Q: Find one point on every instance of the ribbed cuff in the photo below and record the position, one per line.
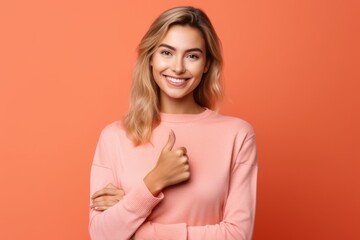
(141, 200)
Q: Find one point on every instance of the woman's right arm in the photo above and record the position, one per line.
(122, 220)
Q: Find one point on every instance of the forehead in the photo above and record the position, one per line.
(184, 37)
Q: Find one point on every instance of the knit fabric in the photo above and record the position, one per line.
(217, 202)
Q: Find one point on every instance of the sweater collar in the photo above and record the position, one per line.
(169, 117)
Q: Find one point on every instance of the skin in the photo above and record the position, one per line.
(177, 66)
(106, 197)
(182, 55)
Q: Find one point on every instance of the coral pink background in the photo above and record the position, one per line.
(291, 69)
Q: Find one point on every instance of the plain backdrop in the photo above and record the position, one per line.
(291, 69)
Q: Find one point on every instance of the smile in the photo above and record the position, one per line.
(176, 81)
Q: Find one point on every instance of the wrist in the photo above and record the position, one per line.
(154, 185)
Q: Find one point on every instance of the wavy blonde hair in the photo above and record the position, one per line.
(143, 115)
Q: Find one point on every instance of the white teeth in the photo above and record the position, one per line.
(175, 80)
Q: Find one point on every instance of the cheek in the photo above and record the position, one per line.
(158, 64)
(197, 70)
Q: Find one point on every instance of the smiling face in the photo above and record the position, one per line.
(178, 65)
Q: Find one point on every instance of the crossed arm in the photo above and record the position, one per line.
(111, 205)
(237, 223)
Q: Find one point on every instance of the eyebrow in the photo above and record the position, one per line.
(187, 50)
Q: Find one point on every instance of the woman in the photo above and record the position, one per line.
(173, 168)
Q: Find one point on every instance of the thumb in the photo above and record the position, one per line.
(171, 141)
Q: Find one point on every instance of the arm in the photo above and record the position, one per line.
(239, 211)
(124, 218)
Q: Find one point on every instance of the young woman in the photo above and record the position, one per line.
(173, 168)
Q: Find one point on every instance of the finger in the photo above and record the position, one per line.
(118, 197)
(171, 141)
(184, 159)
(120, 194)
(186, 175)
(106, 191)
(186, 167)
(102, 199)
(105, 202)
(103, 206)
(100, 209)
(102, 192)
(181, 151)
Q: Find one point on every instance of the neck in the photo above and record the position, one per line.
(185, 105)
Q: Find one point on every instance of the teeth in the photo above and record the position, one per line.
(175, 80)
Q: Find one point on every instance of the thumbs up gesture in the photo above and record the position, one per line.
(172, 167)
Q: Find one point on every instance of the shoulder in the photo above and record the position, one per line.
(233, 124)
(112, 128)
(112, 131)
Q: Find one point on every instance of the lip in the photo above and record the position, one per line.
(176, 81)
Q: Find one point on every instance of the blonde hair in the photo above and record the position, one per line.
(143, 115)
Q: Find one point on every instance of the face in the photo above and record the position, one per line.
(179, 63)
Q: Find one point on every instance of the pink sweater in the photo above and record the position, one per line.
(218, 202)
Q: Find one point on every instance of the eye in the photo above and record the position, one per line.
(193, 56)
(165, 52)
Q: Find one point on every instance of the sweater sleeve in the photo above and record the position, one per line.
(122, 220)
(239, 211)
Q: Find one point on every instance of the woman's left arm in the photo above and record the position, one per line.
(239, 211)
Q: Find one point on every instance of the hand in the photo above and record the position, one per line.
(106, 197)
(172, 168)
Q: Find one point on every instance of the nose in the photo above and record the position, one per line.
(178, 66)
